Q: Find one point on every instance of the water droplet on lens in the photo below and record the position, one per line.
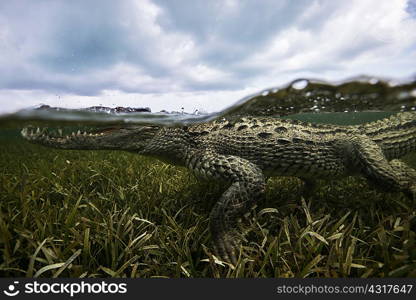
(373, 81)
(300, 84)
(265, 93)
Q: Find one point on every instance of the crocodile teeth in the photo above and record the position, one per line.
(60, 131)
(73, 134)
(78, 132)
(38, 130)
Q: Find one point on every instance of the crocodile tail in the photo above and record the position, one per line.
(396, 135)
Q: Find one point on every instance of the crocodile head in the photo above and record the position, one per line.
(130, 137)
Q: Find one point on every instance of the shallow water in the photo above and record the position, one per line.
(311, 98)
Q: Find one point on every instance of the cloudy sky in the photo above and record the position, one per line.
(199, 54)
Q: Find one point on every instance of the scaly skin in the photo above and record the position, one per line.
(246, 151)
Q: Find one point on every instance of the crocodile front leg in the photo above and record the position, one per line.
(247, 185)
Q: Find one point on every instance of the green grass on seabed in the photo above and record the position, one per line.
(107, 213)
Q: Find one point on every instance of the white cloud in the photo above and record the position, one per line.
(169, 49)
(358, 37)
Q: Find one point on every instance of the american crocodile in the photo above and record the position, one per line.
(244, 152)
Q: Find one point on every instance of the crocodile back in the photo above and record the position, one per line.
(396, 135)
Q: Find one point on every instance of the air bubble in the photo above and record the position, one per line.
(403, 95)
(265, 93)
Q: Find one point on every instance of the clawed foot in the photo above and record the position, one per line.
(226, 246)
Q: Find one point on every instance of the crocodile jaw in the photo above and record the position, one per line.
(75, 140)
(108, 138)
